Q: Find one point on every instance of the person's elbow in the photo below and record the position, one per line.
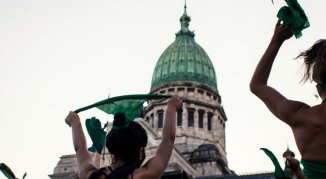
(253, 87)
(256, 88)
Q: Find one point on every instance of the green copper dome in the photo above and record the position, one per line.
(184, 60)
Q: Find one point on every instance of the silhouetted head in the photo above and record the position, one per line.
(127, 140)
(315, 62)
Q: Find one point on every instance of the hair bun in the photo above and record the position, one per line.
(120, 121)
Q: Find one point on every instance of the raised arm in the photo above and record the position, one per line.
(294, 165)
(276, 102)
(157, 165)
(84, 159)
(263, 69)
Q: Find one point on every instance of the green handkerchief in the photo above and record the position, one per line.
(294, 16)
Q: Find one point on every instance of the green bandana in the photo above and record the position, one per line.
(294, 16)
(130, 105)
(96, 133)
(8, 173)
(279, 173)
(314, 170)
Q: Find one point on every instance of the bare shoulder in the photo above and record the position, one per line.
(294, 113)
(305, 115)
(316, 114)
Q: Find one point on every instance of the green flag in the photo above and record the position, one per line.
(130, 105)
(294, 16)
(279, 172)
(24, 175)
(7, 171)
(96, 133)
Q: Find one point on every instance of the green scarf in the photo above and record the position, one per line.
(130, 105)
(314, 170)
(294, 16)
(8, 172)
(96, 133)
(279, 173)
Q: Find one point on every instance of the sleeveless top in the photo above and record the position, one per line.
(121, 172)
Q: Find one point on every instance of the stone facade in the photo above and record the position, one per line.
(202, 122)
(66, 168)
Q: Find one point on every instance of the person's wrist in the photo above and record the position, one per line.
(74, 121)
(277, 41)
(77, 120)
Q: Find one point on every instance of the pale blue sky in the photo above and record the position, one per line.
(57, 56)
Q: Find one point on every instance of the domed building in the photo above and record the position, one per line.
(185, 69)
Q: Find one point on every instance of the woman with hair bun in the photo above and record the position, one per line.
(126, 143)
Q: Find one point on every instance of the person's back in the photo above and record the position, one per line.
(309, 126)
(309, 130)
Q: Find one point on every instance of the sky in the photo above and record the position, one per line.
(57, 56)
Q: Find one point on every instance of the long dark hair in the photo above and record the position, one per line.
(315, 62)
(125, 140)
